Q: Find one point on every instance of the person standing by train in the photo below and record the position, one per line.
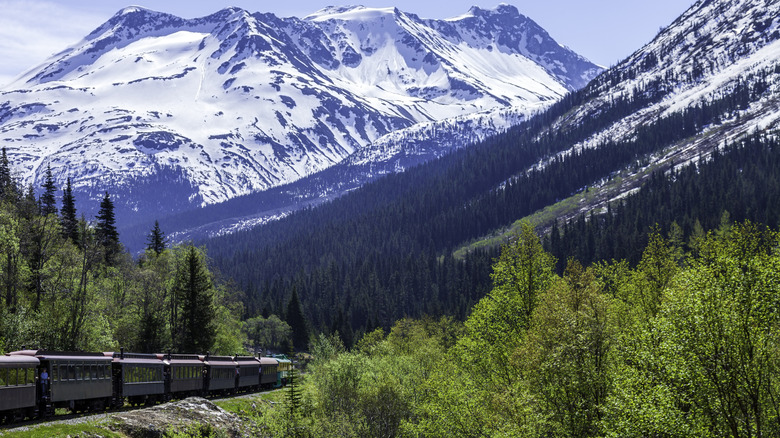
(44, 382)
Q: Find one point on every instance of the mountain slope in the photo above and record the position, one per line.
(389, 242)
(235, 102)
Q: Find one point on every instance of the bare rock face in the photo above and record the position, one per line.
(195, 416)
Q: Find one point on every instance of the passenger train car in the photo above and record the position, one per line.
(33, 383)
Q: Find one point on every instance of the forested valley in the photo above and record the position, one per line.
(385, 251)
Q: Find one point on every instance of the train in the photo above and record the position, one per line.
(34, 383)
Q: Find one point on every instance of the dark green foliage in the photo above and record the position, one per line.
(297, 322)
(156, 240)
(8, 189)
(69, 220)
(48, 203)
(193, 326)
(743, 179)
(105, 230)
(344, 329)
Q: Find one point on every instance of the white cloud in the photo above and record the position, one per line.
(32, 31)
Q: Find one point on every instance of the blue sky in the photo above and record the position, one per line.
(604, 31)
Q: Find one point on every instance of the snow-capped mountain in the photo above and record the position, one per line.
(719, 54)
(168, 113)
(714, 48)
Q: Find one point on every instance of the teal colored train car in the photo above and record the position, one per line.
(283, 369)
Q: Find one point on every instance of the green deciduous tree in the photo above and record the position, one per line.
(565, 357)
(707, 363)
(267, 333)
(12, 263)
(479, 389)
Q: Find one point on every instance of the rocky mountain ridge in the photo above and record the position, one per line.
(234, 103)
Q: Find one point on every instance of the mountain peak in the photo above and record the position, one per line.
(501, 9)
(351, 13)
(135, 16)
(132, 9)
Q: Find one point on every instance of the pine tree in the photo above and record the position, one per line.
(156, 240)
(69, 221)
(293, 400)
(28, 205)
(193, 310)
(106, 233)
(48, 203)
(297, 322)
(6, 183)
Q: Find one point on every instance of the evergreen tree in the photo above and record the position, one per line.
(193, 329)
(106, 233)
(6, 183)
(294, 395)
(297, 322)
(156, 240)
(69, 221)
(48, 203)
(28, 205)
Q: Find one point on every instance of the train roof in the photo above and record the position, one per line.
(219, 360)
(181, 359)
(61, 355)
(18, 360)
(134, 358)
(268, 361)
(246, 360)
